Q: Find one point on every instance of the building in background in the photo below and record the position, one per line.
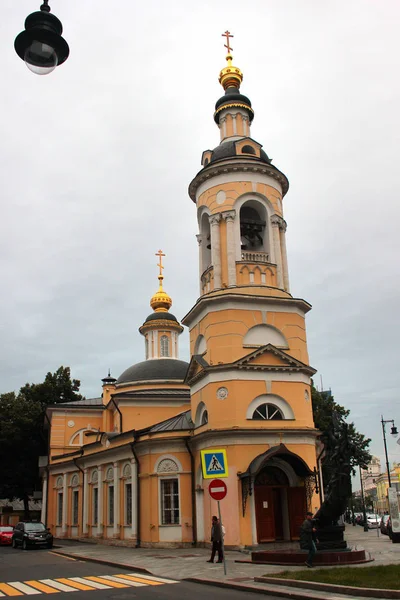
(126, 466)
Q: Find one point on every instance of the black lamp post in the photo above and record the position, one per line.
(363, 502)
(393, 431)
(41, 45)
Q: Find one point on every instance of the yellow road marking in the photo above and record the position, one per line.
(10, 591)
(42, 587)
(62, 555)
(108, 582)
(139, 579)
(79, 586)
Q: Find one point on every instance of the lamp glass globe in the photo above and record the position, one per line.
(40, 58)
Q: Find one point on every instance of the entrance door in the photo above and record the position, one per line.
(297, 510)
(264, 503)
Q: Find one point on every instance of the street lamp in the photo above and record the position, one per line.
(363, 502)
(393, 431)
(41, 45)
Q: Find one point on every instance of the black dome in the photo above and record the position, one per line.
(233, 95)
(165, 316)
(157, 368)
(228, 149)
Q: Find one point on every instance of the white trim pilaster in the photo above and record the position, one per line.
(85, 502)
(100, 518)
(229, 217)
(216, 249)
(116, 499)
(276, 222)
(134, 505)
(65, 506)
(43, 514)
(285, 268)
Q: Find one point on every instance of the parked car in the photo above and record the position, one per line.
(6, 534)
(385, 520)
(372, 521)
(28, 533)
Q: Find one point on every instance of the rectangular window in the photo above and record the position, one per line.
(60, 508)
(75, 507)
(110, 505)
(128, 504)
(95, 506)
(169, 502)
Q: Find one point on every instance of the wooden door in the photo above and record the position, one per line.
(297, 510)
(264, 502)
(278, 515)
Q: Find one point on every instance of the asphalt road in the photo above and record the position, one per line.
(40, 572)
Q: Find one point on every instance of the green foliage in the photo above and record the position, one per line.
(382, 577)
(22, 435)
(324, 407)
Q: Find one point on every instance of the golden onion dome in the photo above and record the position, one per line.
(161, 301)
(230, 76)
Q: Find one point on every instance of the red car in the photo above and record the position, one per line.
(6, 534)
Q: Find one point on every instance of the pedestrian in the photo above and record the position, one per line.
(216, 539)
(307, 538)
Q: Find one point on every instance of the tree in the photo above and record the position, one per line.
(324, 407)
(22, 436)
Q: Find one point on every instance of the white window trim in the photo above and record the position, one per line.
(279, 402)
(171, 457)
(167, 476)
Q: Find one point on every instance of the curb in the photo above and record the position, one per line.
(108, 563)
(244, 587)
(331, 587)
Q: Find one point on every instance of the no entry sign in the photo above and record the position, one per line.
(217, 489)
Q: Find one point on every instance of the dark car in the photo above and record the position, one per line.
(384, 525)
(28, 533)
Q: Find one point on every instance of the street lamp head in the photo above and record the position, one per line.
(41, 46)
(393, 430)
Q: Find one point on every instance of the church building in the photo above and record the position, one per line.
(125, 467)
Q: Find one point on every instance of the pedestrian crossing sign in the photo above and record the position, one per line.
(214, 463)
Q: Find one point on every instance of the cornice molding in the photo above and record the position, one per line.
(237, 165)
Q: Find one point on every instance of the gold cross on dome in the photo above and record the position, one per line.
(228, 35)
(160, 255)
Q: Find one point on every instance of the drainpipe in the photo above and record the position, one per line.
(192, 477)
(120, 414)
(83, 484)
(132, 445)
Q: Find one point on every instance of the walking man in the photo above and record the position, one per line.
(307, 538)
(216, 539)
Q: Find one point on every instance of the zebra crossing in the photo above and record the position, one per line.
(74, 584)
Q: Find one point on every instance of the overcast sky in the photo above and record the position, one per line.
(96, 159)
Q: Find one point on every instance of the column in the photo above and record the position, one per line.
(43, 514)
(134, 505)
(222, 127)
(216, 249)
(275, 222)
(100, 502)
(282, 232)
(234, 124)
(229, 217)
(85, 502)
(116, 500)
(201, 269)
(65, 506)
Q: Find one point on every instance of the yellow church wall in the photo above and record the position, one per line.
(61, 434)
(233, 191)
(139, 417)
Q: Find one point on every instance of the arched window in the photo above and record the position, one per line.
(146, 344)
(267, 412)
(248, 150)
(164, 345)
(79, 438)
(252, 227)
(204, 417)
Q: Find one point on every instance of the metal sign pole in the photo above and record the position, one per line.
(222, 536)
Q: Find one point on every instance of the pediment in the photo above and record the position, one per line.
(269, 357)
(197, 367)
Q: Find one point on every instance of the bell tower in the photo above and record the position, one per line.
(250, 369)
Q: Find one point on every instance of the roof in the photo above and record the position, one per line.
(233, 96)
(161, 316)
(228, 150)
(181, 422)
(19, 504)
(84, 403)
(155, 393)
(154, 369)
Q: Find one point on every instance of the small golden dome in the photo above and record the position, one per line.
(230, 76)
(161, 302)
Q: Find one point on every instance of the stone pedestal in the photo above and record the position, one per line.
(331, 537)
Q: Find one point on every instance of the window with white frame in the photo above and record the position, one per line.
(75, 507)
(164, 345)
(60, 498)
(95, 505)
(128, 504)
(111, 505)
(169, 490)
(268, 412)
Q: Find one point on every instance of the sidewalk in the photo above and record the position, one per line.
(191, 563)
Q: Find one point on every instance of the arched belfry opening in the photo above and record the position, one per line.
(253, 227)
(205, 235)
